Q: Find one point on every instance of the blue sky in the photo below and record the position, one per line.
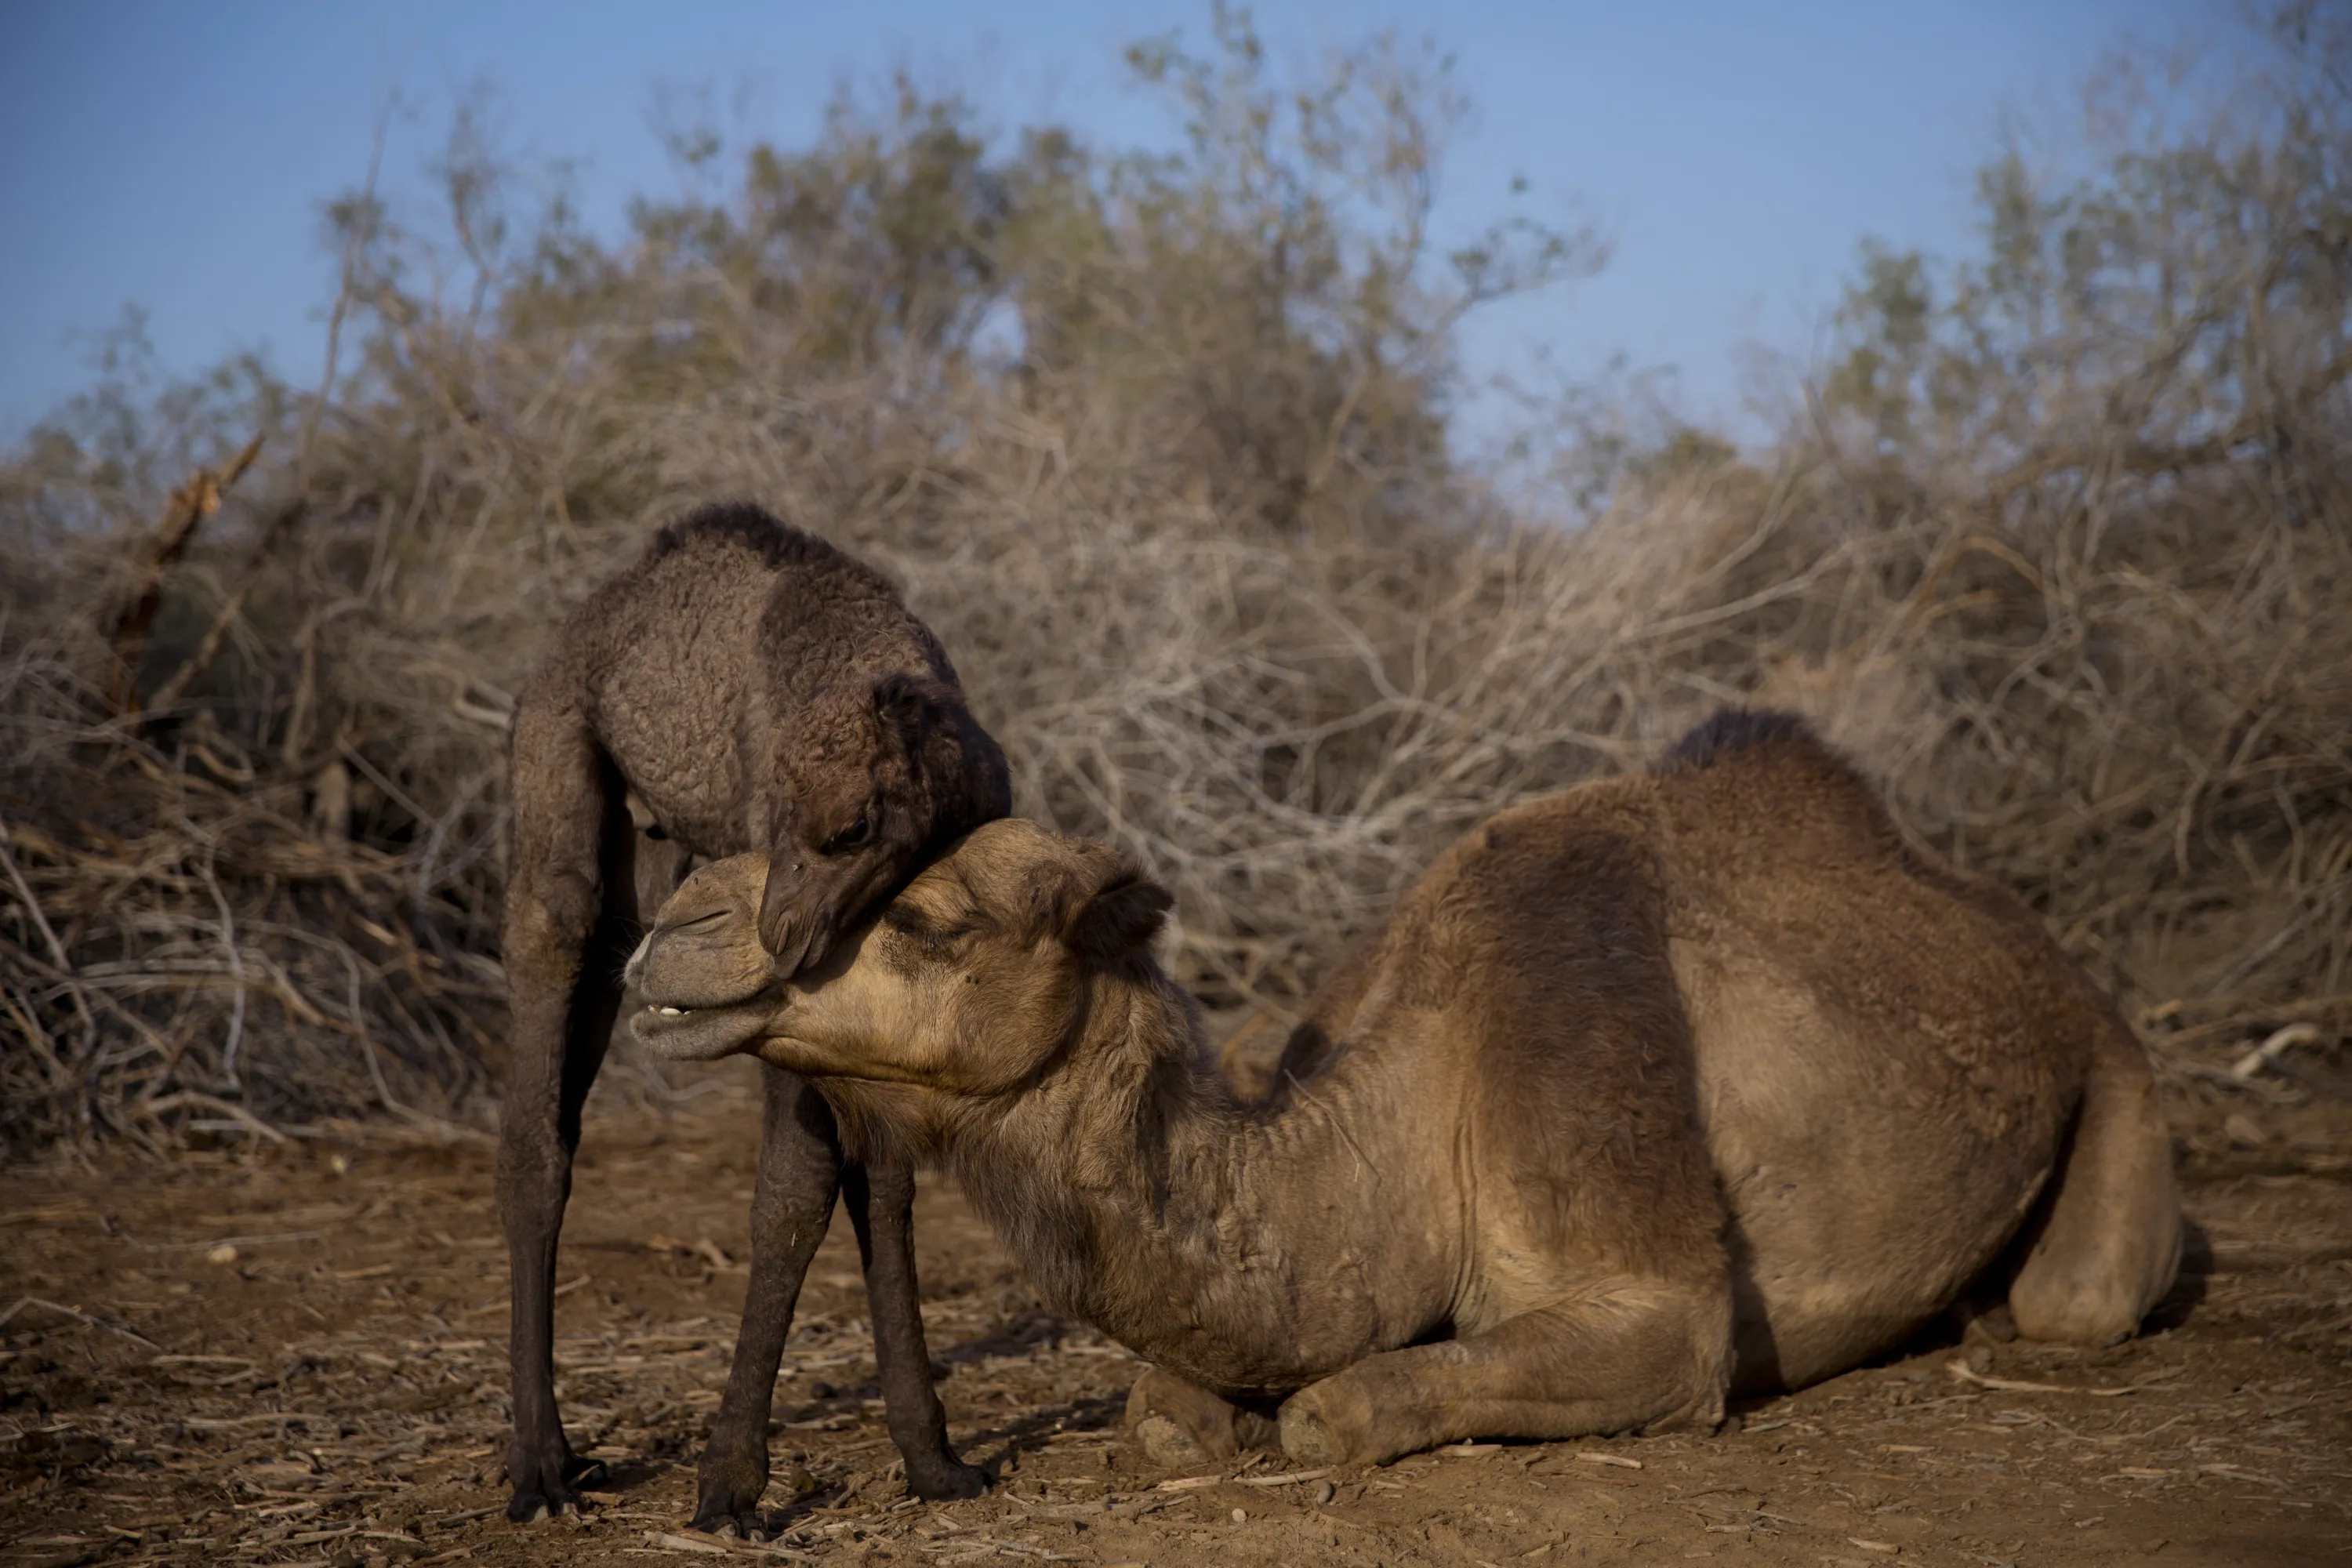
(174, 156)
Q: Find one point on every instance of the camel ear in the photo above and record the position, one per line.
(1120, 920)
(909, 705)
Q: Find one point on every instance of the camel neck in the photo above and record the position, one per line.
(1147, 1200)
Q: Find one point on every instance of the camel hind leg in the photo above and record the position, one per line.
(570, 918)
(2106, 1243)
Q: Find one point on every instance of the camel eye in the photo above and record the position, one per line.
(923, 938)
(851, 837)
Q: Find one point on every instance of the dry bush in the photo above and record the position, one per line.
(2061, 554)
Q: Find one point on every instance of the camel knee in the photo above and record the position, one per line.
(889, 1195)
(534, 1171)
(2109, 1247)
(549, 921)
(2097, 1294)
(2093, 1313)
(1337, 1422)
(1178, 1426)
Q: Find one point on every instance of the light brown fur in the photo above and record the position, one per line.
(1651, 1090)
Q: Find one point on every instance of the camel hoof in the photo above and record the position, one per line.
(945, 1480)
(727, 1510)
(545, 1489)
(1169, 1447)
(727, 1526)
(1309, 1439)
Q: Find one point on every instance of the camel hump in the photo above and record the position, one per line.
(1744, 769)
(780, 546)
(813, 611)
(1736, 731)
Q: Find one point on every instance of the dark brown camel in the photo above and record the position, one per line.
(744, 686)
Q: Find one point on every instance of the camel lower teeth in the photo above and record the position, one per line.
(671, 1012)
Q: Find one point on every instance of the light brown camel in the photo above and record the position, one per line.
(1652, 1090)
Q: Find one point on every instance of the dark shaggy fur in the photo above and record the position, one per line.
(1734, 731)
(744, 686)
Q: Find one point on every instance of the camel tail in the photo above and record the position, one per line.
(2107, 1243)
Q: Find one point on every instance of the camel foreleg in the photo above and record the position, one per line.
(1639, 1356)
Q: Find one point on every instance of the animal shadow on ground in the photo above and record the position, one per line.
(1025, 1335)
(2190, 1287)
(1032, 1432)
(1022, 1335)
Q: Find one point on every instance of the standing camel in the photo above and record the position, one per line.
(744, 685)
(1652, 1090)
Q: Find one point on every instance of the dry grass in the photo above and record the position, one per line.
(2090, 620)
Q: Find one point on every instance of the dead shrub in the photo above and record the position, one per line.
(1158, 445)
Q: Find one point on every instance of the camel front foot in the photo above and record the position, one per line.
(1178, 1426)
(940, 1476)
(1646, 1358)
(732, 1478)
(1332, 1423)
(547, 1481)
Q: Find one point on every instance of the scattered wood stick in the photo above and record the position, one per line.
(79, 1316)
(1961, 1371)
(2270, 1049)
(237, 1113)
(2233, 1473)
(1595, 1457)
(1292, 1480)
(259, 1418)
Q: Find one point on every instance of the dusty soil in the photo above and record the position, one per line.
(294, 1354)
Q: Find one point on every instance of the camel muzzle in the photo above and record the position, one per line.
(694, 1035)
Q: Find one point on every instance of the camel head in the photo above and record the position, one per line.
(966, 983)
(872, 776)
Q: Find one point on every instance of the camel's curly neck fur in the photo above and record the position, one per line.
(1193, 1228)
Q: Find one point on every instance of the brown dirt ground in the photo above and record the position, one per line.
(335, 1392)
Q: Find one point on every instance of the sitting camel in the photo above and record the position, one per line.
(1653, 1091)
